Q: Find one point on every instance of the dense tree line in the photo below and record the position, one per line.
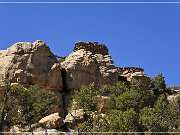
(129, 108)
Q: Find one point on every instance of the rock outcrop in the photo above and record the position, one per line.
(29, 64)
(133, 74)
(34, 64)
(175, 94)
(17, 129)
(89, 62)
(51, 121)
(74, 118)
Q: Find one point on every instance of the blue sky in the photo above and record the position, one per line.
(142, 35)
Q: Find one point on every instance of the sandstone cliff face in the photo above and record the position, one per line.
(33, 63)
(89, 62)
(29, 64)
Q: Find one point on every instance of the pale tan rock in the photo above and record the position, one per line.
(140, 77)
(41, 131)
(30, 64)
(74, 117)
(134, 74)
(88, 63)
(173, 97)
(15, 129)
(51, 121)
(101, 105)
(75, 114)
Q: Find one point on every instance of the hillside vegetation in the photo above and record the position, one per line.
(123, 107)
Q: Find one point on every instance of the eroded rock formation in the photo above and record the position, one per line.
(133, 74)
(89, 62)
(29, 64)
(33, 63)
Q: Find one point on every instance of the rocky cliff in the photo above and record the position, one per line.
(34, 64)
(89, 62)
(29, 64)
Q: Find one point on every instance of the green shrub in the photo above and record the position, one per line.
(27, 106)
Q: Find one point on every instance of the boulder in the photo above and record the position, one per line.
(89, 62)
(35, 129)
(173, 97)
(51, 121)
(30, 64)
(15, 129)
(42, 131)
(74, 117)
